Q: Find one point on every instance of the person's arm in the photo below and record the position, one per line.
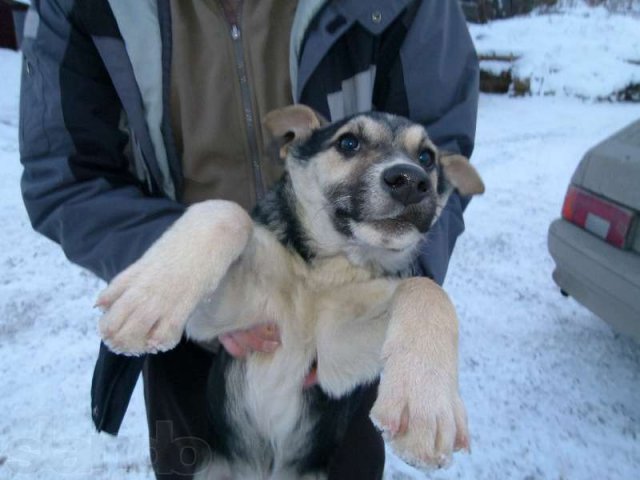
(78, 186)
(77, 183)
(440, 78)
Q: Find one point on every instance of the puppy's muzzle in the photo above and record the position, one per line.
(405, 183)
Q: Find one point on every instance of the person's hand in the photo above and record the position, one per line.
(263, 338)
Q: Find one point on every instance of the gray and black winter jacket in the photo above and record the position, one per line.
(100, 166)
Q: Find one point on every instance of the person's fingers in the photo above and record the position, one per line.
(250, 341)
(312, 377)
(263, 338)
(267, 332)
(231, 346)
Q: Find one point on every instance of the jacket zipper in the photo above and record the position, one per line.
(247, 109)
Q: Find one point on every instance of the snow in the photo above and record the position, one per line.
(580, 52)
(550, 390)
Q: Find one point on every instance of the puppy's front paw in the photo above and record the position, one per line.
(422, 417)
(147, 306)
(142, 313)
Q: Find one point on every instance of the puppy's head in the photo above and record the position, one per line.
(370, 185)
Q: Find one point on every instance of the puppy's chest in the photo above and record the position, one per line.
(270, 281)
(272, 417)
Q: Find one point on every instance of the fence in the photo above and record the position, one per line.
(481, 11)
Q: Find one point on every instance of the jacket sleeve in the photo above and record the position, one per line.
(441, 76)
(78, 186)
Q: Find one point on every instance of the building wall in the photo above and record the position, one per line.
(7, 31)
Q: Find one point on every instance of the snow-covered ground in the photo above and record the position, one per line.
(551, 391)
(578, 52)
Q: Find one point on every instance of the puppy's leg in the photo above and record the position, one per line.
(418, 404)
(148, 304)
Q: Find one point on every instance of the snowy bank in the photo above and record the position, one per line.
(584, 52)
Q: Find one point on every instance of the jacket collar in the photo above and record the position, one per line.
(332, 22)
(140, 29)
(375, 16)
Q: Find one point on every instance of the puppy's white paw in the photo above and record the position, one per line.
(421, 415)
(142, 314)
(147, 306)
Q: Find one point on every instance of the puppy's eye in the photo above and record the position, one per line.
(426, 159)
(348, 143)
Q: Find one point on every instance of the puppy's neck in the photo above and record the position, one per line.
(278, 212)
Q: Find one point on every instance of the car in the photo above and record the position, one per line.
(596, 243)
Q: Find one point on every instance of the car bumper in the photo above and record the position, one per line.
(603, 278)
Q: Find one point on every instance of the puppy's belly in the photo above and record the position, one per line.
(261, 420)
(273, 392)
(267, 426)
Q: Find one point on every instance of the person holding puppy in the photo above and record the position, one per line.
(132, 110)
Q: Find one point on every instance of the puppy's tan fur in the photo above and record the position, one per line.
(216, 271)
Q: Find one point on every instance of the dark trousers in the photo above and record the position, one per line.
(174, 391)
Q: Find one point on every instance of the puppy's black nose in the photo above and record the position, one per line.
(408, 184)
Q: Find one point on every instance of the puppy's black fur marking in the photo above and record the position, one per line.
(277, 211)
(343, 199)
(224, 442)
(329, 430)
(318, 141)
(341, 221)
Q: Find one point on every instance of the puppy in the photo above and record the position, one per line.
(328, 256)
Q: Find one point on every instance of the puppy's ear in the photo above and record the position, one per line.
(292, 124)
(461, 174)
